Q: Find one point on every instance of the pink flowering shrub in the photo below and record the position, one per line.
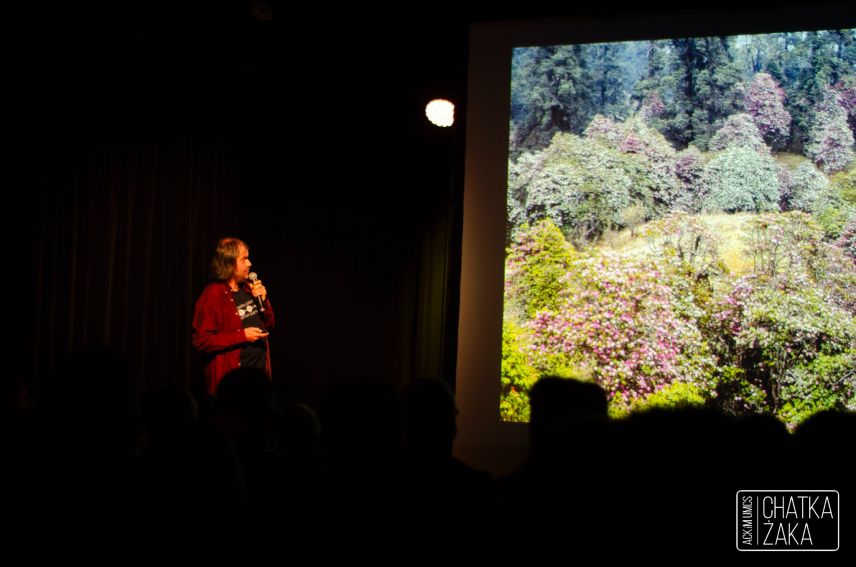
(773, 325)
(847, 100)
(830, 142)
(688, 166)
(652, 106)
(763, 331)
(605, 130)
(687, 244)
(765, 104)
(807, 189)
(650, 164)
(838, 264)
(632, 145)
(576, 183)
(619, 320)
(784, 245)
(847, 241)
(785, 328)
(738, 130)
(727, 314)
(786, 185)
(642, 139)
(741, 179)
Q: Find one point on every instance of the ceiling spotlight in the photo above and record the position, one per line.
(440, 112)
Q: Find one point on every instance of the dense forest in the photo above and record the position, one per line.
(681, 224)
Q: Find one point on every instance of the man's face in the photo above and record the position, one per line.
(242, 265)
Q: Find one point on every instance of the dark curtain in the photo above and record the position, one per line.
(360, 262)
(137, 143)
(119, 237)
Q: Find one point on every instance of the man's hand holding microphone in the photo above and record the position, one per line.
(260, 293)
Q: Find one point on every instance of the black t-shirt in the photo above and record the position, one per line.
(252, 354)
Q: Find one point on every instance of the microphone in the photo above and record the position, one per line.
(254, 277)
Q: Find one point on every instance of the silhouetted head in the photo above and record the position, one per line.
(92, 397)
(297, 430)
(360, 418)
(168, 410)
(429, 416)
(827, 432)
(558, 401)
(243, 398)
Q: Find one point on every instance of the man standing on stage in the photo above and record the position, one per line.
(233, 316)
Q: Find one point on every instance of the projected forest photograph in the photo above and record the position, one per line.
(681, 223)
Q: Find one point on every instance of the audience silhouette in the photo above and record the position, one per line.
(370, 478)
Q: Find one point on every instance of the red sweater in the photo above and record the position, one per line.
(219, 333)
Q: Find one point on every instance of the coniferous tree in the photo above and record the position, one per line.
(708, 89)
(758, 53)
(553, 93)
(660, 61)
(811, 77)
(609, 74)
(790, 68)
(842, 46)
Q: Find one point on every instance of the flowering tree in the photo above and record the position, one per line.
(784, 245)
(581, 186)
(771, 337)
(639, 138)
(689, 169)
(686, 244)
(765, 104)
(535, 264)
(847, 241)
(828, 382)
(739, 130)
(650, 164)
(830, 142)
(741, 179)
(847, 100)
(808, 188)
(786, 183)
(618, 319)
(517, 375)
(773, 326)
(840, 268)
(838, 276)
(844, 184)
(787, 328)
(652, 106)
(605, 130)
(726, 315)
(521, 173)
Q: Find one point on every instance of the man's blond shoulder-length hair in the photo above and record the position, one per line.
(225, 258)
